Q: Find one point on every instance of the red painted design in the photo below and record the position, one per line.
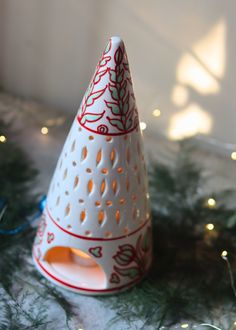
(119, 116)
(134, 261)
(114, 278)
(125, 255)
(50, 237)
(96, 238)
(77, 288)
(96, 251)
(40, 232)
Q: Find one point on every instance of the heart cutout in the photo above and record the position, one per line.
(50, 237)
(96, 251)
(114, 278)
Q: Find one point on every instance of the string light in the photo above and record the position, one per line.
(210, 226)
(235, 323)
(224, 254)
(184, 325)
(211, 202)
(156, 113)
(233, 155)
(44, 130)
(143, 125)
(3, 139)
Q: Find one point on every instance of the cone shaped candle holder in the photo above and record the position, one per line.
(95, 233)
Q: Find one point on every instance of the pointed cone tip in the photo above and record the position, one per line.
(116, 40)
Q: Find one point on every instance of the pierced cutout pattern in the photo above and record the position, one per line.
(122, 200)
(108, 234)
(76, 181)
(81, 200)
(65, 174)
(134, 213)
(112, 157)
(134, 197)
(104, 170)
(84, 153)
(72, 146)
(66, 192)
(101, 217)
(67, 210)
(103, 187)
(118, 216)
(82, 216)
(99, 157)
(58, 201)
(108, 138)
(126, 231)
(127, 183)
(114, 186)
(74, 163)
(90, 186)
(109, 203)
(139, 178)
(97, 203)
(88, 233)
(88, 170)
(120, 170)
(91, 138)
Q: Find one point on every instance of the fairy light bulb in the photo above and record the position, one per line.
(3, 139)
(233, 155)
(184, 325)
(156, 113)
(143, 125)
(211, 202)
(210, 226)
(44, 130)
(224, 254)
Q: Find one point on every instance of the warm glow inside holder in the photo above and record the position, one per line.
(95, 233)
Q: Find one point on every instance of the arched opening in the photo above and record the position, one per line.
(75, 267)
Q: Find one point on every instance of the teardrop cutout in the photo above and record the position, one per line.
(72, 146)
(76, 181)
(99, 157)
(101, 217)
(90, 186)
(112, 156)
(82, 215)
(67, 210)
(103, 187)
(114, 186)
(117, 216)
(84, 153)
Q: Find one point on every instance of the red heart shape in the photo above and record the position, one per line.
(114, 278)
(96, 251)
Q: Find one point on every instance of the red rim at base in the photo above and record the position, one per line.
(86, 291)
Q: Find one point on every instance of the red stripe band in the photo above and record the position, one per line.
(96, 238)
(83, 289)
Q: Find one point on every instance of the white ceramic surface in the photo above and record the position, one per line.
(98, 201)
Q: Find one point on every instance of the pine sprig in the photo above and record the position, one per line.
(17, 178)
(188, 278)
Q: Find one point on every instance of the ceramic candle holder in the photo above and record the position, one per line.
(95, 233)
